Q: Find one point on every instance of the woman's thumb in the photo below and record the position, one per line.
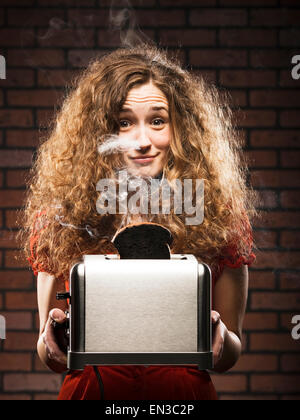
(57, 315)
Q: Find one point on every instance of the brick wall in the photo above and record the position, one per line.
(244, 46)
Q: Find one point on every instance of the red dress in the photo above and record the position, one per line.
(141, 382)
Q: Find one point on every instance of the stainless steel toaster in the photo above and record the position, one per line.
(140, 312)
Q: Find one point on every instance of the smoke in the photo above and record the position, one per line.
(113, 144)
(122, 19)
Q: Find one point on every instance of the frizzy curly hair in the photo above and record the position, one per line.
(205, 145)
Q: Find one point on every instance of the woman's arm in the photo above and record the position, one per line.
(230, 299)
(50, 310)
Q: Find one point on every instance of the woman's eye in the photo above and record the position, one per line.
(124, 124)
(158, 121)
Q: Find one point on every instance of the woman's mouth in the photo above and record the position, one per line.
(144, 159)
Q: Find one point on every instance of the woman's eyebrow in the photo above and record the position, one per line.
(159, 108)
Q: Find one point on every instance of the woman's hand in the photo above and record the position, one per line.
(219, 334)
(54, 340)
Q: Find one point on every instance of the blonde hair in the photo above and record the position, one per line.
(204, 145)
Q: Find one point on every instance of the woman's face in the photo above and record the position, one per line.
(145, 118)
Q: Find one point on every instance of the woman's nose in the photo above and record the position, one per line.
(143, 137)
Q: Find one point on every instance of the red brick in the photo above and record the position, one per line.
(275, 383)
(289, 3)
(18, 300)
(258, 158)
(267, 199)
(290, 240)
(274, 17)
(88, 17)
(15, 397)
(265, 239)
(230, 383)
(185, 3)
(21, 321)
(32, 382)
(44, 117)
(109, 39)
(275, 138)
(36, 58)
(286, 79)
(17, 3)
(17, 38)
(55, 78)
(19, 341)
(44, 397)
(16, 179)
(15, 362)
(260, 321)
(278, 219)
(22, 138)
(16, 118)
(11, 198)
(66, 37)
(290, 159)
(290, 118)
(20, 78)
(82, 58)
(275, 301)
(275, 179)
(248, 38)
(277, 259)
(15, 158)
(15, 280)
(38, 365)
(247, 78)
(70, 3)
(11, 219)
(290, 199)
(257, 3)
(267, 59)
(286, 321)
(33, 16)
(261, 280)
(248, 397)
(289, 37)
(289, 281)
(15, 259)
(8, 239)
(34, 98)
(256, 363)
(218, 58)
(159, 17)
(290, 363)
(275, 98)
(187, 37)
(218, 17)
(248, 118)
(273, 342)
(238, 98)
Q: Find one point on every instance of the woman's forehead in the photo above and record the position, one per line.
(148, 93)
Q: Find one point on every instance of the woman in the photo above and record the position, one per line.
(183, 131)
